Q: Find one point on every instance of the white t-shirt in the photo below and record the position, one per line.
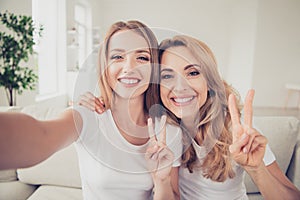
(194, 186)
(111, 167)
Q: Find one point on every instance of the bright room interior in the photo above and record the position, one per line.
(256, 44)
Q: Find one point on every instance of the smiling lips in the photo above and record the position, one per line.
(182, 101)
(129, 82)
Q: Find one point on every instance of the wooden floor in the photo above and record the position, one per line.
(263, 111)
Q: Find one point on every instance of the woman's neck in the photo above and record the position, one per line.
(133, 109)
(131, 119)
(190, 124)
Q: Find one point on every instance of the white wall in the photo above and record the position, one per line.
(256, 42)
(28, 97)
(277, 51)
(207, 20)
(18, 7)
(243, 24)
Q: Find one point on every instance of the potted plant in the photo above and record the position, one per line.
(16, 45)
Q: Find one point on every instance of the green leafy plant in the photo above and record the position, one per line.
(16, 45)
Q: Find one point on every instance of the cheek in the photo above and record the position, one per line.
(145, 71)
(203, 98)
(113, 70)
(148, 76)
(203, 92)
(164, 94)
(111, 76)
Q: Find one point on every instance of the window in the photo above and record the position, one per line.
(51, 48)
(82, 18)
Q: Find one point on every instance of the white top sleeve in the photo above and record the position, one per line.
(269, 157)
(89, 119)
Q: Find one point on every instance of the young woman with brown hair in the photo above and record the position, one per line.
(118, 157)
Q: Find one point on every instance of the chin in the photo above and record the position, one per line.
(188, 113)
(178, 113)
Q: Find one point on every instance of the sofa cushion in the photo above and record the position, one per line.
(8, 175)
(255, 196)
(55, 193)
(42, 112)
(60, 169)
(282, 133)
(294, 169)
(15, 190)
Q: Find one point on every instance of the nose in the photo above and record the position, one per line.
(129, 63)
(180, 84)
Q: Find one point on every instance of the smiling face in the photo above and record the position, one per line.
(183, 87)
(129, 66)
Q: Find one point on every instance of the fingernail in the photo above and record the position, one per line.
(154, 157)
(245, 150)
(243, 136)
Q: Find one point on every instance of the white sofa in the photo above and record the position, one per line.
(57, 178)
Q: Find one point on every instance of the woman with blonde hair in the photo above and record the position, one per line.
(218, 148)
(118, 157)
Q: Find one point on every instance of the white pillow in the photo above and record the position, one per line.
(282, 133)
(42, 112)
(15, 190)
(53, 193)
(8, 175)
(60, 169)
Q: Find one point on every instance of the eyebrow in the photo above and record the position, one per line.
(167, 70)
(191, 65)
(185, 68)
(118, 50)
(136, 51)
(142, 51)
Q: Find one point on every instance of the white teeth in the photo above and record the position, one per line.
(182, 100)
(129, 81)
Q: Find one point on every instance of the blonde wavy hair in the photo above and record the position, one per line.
(214, 121)
(142, 30)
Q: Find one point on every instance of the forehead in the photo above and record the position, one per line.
(177, 57)
(127, 40)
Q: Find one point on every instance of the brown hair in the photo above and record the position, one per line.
(142, 30)
(213, 124)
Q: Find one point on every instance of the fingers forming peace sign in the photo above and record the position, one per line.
(248, 145)
(158, 156)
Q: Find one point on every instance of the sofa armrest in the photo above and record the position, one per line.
(293, 172)
(282, 134)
